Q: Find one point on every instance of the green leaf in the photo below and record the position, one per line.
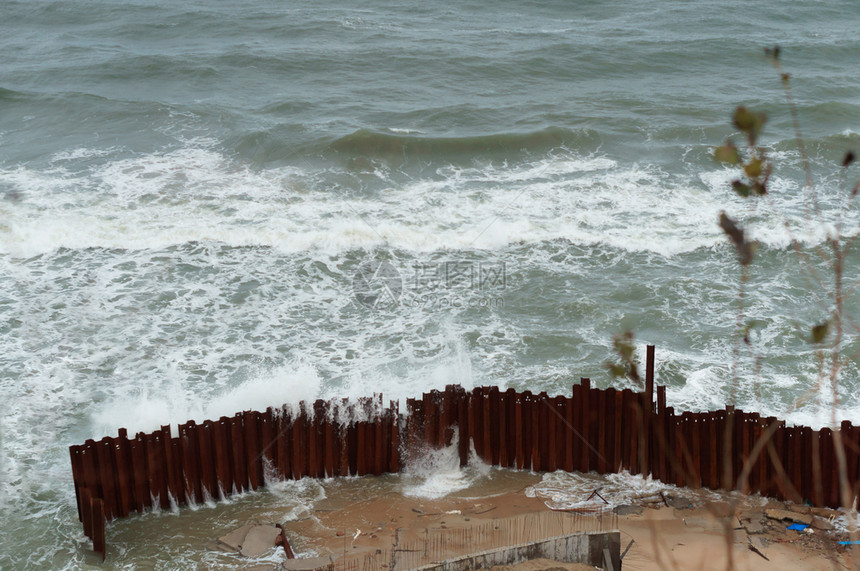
(616, 370)
(759, 188)
(750, 123)
(753, 168)
(819, 332)
(742, 189)
(728, 153)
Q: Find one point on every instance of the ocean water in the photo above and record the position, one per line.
(211, 206)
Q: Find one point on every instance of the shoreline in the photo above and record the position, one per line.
(680, 529)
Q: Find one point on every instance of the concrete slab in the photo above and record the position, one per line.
(259, 540)
(236, 538)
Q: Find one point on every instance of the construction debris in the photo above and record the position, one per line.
(255, 539)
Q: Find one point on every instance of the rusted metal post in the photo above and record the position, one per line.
(267, 438)
(253, 451)
(142, 493)
(395, 463)
(496, 423)
(240, 463)
(98, 526)
(107, 473)
(584, 424)
(486, 427)
(570, 437)
(208, 463)
(330, 443)
(614, 401)
(190, 444)
(125, 473)
(463, 427)
(223, 456)
(519, 431)
(603, 415)
(87, 512)
(283, 441)
(75, 453)
(299, 461)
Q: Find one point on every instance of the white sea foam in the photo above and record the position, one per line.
(572, 490)
(437, 473)
(198, 195)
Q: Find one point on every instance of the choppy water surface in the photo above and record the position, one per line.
(193, 194)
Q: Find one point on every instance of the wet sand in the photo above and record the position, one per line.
(684, 529)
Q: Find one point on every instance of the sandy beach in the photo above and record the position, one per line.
(673, 529)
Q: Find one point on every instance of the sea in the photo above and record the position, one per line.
(212, 206)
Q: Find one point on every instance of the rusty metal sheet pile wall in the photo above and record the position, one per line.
(604, 430)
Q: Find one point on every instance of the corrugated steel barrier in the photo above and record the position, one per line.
(602, 430)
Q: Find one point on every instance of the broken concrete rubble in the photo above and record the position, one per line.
(255, 539)
(789, 515)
